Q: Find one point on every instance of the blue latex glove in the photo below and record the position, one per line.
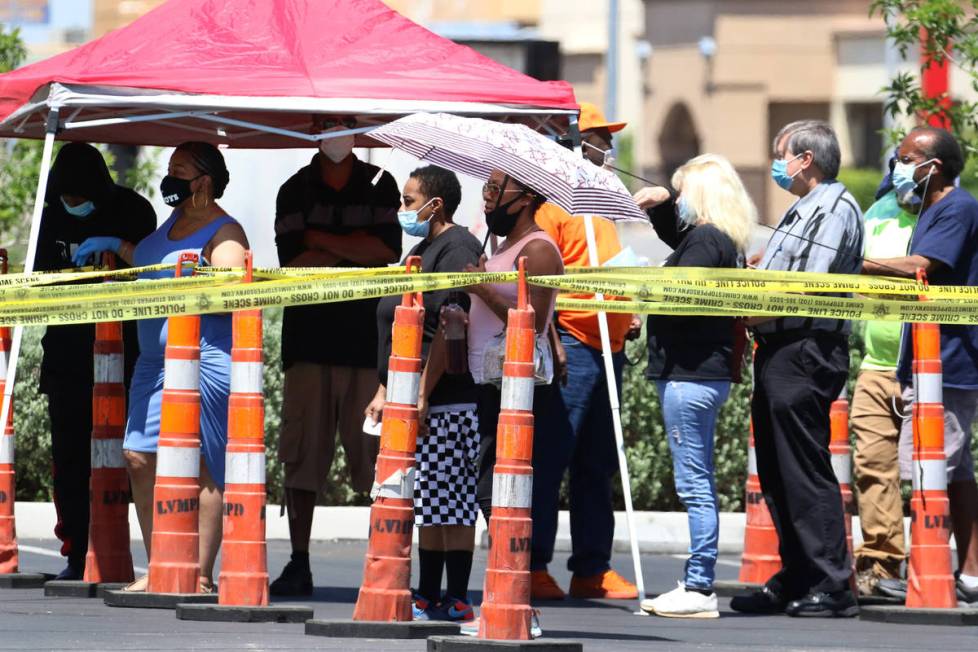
(95, 245)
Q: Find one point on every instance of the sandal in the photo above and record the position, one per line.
(206, 586)
(139, 586)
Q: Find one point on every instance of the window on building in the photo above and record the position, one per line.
(865, 122)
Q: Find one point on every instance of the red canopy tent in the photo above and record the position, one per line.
(251, 73)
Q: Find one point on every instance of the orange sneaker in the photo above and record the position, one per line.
(544, 587)
(608, 584)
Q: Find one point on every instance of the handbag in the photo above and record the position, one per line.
(495, 356)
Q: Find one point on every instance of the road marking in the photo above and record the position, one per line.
(54, 553)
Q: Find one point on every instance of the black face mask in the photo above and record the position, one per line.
(499, 221)
(175, 191)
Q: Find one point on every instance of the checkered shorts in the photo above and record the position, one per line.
(444, 486)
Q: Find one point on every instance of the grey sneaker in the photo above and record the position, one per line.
(966, 595)
(893, 588)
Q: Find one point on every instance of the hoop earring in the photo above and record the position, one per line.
(193, 199)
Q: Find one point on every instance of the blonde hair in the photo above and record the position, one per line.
(714, 191)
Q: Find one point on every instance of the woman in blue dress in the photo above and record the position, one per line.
(196, 177)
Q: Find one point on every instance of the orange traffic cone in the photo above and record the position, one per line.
(383, 608)
(109, 558)
(174, 565)
(10, 577)
(842, 466)
(109, 561)
(929, 579)
(243, 582)
(8, 531)
(506, 612)
(760, 559)
(385, 594)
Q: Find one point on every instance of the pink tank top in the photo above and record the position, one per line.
(483, 322)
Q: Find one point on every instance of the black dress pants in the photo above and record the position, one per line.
(71, 442)
(796, 378)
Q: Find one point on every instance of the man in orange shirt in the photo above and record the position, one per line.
(577, 434)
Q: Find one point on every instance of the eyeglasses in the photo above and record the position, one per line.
(349, 122)
(491, 189)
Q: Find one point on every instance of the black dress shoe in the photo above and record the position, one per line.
(765, 601)
(71, 572)
(841, 604)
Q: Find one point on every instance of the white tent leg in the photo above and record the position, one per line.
(609, 371)
(42, 187)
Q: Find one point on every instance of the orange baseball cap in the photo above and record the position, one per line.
(592, 118)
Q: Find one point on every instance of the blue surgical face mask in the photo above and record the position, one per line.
(81, 210)
(411, 225)
(685, 212)
(903, 179)
(779, 172)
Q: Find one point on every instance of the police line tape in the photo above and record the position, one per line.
(89, 274)
(647, 292)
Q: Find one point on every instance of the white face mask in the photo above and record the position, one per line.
(338, 148)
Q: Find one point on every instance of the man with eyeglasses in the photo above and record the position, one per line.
(338, 211)
(800, 366)
(577, 434)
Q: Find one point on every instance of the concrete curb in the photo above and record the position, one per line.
(658, 532)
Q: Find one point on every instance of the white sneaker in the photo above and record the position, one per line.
(680, 603)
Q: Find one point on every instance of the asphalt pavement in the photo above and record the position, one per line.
(30, 621)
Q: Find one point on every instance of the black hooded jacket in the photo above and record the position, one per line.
(80, 170)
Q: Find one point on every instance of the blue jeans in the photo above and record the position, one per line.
(575, 433)
(689, 409)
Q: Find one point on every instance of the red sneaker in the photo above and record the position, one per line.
(608, 584)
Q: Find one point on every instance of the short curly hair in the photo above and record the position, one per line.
(435, 181)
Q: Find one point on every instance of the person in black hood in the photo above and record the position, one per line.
(82, 202)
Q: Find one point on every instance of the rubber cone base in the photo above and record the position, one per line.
(139, 600)
(79, 589)
(235, 614)
(906, 616)
(470, 644)
(24, 580)
(413, 629)
(728, 589)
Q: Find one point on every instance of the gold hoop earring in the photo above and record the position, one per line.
(193, 199)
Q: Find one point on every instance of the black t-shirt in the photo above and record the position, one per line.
(692, 348)
(68, 363)
(345, 333)
(451, 251)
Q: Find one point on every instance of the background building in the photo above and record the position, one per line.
(725, 75)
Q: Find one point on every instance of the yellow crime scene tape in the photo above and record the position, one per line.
(666, 291)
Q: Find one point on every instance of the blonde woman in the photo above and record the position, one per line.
(691, 361)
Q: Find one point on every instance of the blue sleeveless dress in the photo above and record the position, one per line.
(146, 390)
